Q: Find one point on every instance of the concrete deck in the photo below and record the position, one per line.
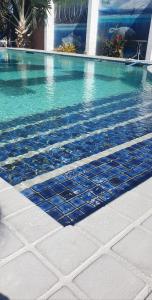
(106, 256)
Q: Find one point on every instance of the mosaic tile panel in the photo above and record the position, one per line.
(28, 168)
(73, 196)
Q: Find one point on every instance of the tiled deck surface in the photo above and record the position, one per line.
(106, 256)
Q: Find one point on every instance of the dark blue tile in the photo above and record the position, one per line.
(76, 216)
(55, 213)
(87, 209)
(47, 193)
(68, 194)
(56, 200)
(66, 208)
(77, 201)
(58, 188)
(46, 206)
(65, 221)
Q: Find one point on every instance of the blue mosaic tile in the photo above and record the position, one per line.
(68, 207)
(35, 143)
(70, 197)
(129, 97)
(46, 206)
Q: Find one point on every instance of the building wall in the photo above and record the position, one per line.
(38, 38)
(70, 25)
(130, 19)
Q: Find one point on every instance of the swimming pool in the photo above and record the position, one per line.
(75, 133)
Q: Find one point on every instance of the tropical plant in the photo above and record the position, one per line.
(118, 43)
(114, 47)
(67, 47)
(3, 14)
(24, 15)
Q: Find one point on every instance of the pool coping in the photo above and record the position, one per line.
(94, 57)
(16, 210)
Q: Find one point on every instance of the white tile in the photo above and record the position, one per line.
(12, 201)
(4, 185)
(136, 247)
(104, 224)
(106, 279)
(132, 205)
(67, 249)
(149, 297)
(145, 188)
(9, 243)
(63, 294)
(25, 278)
(33, 223)
(148, 224)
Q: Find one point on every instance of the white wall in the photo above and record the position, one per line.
(92, 27)
(149, 46)
(92, 30)
(49, 31)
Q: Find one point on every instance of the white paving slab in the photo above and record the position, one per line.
(145, 188)
(11, 202)
(67, 249)
(106, 279)
(136, 247)
(149, 297)
(104, 225)
(76, 262)
(148, 224)
(63, 294)
(33, 223)
(25, 278)
(4, 185)
(9, 243)
(132, 204)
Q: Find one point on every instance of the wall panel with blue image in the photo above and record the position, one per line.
(128, 19)
(71, 24)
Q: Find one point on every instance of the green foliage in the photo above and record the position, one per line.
(26, 15)
(114, 47)
(70, 2)
(67, 47)
(4, 4)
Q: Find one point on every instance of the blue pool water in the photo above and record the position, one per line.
(36, 83)
(55, 111)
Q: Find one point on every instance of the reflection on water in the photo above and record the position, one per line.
(35, 83)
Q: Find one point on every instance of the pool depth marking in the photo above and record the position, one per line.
(80, 163)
